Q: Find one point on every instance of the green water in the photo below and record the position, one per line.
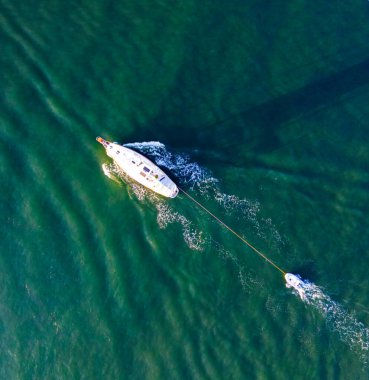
(260, 111)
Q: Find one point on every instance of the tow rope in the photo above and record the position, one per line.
(233, 232)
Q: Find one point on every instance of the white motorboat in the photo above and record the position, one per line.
(296, 282)
(140, 168)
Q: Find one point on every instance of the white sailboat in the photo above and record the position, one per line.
(140, 168)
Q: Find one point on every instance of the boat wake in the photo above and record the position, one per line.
(345, 324)
(193, 237)
(178, 164)
(166, 214)
(109, 171)
(191, 175)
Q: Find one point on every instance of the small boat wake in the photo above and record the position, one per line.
(345, 324)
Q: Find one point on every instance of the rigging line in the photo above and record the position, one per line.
(233, 232)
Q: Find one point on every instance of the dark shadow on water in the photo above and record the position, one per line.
(306, 271)
(261, 127)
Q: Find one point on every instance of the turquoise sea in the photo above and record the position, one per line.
(260, 111)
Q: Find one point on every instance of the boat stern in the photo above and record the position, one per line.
(167, 187)
(296, 282)
(293, 280)
(174, 192)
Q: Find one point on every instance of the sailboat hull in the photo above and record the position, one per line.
(140, 169)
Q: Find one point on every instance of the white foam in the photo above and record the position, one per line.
(248, 210)
(349, 329)
(199, 179)
(193, 237)
(178, 164)
(108, 170)
(185, 172)
(144, 144)
(165, 213)
(115, 173)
